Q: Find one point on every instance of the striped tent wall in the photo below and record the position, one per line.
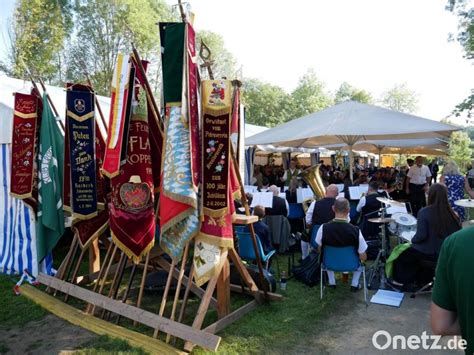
(17, 226)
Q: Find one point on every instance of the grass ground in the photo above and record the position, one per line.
(276, 327)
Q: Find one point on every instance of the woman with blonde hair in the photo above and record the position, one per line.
(455, 183)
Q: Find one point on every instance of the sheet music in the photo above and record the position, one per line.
(283, 195)
(356, 192)
(264, 199)
(250, 189)
(388, 298)
(341, 195)
(340, 187)
(397, 209)
(303, 193)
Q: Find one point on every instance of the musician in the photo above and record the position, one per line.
(368, 207)
(280, 206)
(261, 229)
(291, 192)
(320, 212)
(340, 233)
(435, 222)
(291, 172)
(418, 179)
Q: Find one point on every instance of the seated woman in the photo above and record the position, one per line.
(435, 222)
(291, 192)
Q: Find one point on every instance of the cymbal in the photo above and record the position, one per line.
(465, 203)
(381, 220)
(390, 202)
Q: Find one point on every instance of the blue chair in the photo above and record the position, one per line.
(247, 252)
(241, 229)
(341, 259)
(296, 211)
(314, 232)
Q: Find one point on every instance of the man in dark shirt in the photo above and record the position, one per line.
(261, 229)
(279, 205)
(321, 211)
(340, 233)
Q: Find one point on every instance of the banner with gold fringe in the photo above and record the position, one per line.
(23, 145)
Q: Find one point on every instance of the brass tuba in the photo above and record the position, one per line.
(313, 178)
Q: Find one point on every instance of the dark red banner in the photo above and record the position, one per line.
(23, 145)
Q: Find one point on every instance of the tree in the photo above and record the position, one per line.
(400, 98)
(465, 36)
(103, 28)
(224, 61)
(349, 92)
(37, 33)
(265, 104)
(459, 149)
(310, 95)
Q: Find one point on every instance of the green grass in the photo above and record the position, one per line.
(106, 345)
(4, 348)
(16, 311)
(275, 327)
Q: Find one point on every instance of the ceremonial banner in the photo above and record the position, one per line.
(50, 226)
(179, 217)
(88, 230)
(218, 180)
(119, 108)
(23, 145)
(132, 218)
(81, 134)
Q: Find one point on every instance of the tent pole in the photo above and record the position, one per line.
(351, 162)
(380, 156)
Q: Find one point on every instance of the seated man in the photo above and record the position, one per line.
(261, 229)
(320, 212)
(340, 233)
(368, 207)
(280, 206)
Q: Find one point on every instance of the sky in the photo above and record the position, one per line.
(371, 44)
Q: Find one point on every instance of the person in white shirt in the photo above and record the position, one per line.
(292, 171)
(340, 233)
(418, 179)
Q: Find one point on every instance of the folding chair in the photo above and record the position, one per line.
(341, 259)
(247, 252)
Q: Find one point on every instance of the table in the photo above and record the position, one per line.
(466, 203)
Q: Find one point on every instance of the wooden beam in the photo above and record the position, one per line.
(195, 289)
(271, 296)
(204, 306)
(96, 325)
(94, 256)
(223, 291)
(243, 219)
(182, 331)
(231, 318)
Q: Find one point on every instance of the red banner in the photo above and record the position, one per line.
(88, 230)
(23, 145)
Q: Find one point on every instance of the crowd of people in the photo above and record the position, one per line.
(432, 200)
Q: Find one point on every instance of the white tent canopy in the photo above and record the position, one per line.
(348, 123)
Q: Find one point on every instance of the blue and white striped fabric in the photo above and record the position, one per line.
(17, 227)
(249, 157)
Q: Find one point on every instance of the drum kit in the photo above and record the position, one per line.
(401, 224)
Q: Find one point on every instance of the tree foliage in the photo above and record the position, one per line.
(310, 95)
(348, 92)
(224, 61)
(400, 98)
(265, 104)
(464, 11)
(37, 36)
(459, 149)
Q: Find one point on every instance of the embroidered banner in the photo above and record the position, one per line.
(132, 218)
(23, 145)
(219, 182)
(120, 106)
(88, 230)
(179, 217)
(80, 118)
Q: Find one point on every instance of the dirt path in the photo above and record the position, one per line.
(350, 329)
(50, 335)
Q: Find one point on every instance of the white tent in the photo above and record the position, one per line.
(348, 123)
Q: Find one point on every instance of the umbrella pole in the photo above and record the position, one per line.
(351, 163)
(380, 157)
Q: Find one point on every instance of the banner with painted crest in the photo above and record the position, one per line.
(23, 145)
(219, 181)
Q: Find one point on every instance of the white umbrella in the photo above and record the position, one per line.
(348, 123)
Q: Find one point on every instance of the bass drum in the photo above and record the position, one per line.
(405, 223)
